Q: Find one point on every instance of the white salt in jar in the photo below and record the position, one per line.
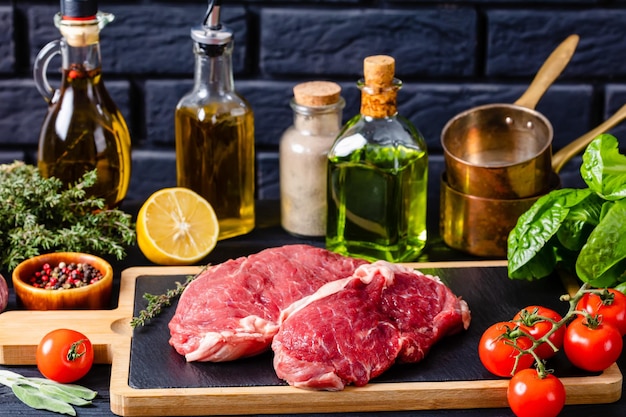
(317, 118)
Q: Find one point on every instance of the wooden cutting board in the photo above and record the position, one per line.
(149, 379)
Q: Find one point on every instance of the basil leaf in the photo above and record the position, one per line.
(604, 168)
(34, 398)
(621, 287)
(528, 252)
(602, 260)
(579, 222)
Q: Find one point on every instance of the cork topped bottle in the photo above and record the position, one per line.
(317, 111)
(377, 175)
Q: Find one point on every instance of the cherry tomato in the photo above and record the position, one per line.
(497, 353)
(592, 346)
(531, 396)
(611, 306)
(530, 320)
(64, 355)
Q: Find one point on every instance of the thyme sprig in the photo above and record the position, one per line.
(156, 302)
(39, 215)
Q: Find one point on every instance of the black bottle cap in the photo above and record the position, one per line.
(79, 8)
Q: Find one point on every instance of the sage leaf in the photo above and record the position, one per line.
(34, 398)
(45, 394)
(73, 389)
(9, 378)
(62, 395)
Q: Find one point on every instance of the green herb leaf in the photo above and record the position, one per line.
(45, 394)
(72, 389)
(40, 215)
(529, 254)
(604, 168)
(9, 378)
(584, 233)
(579, 222)
(62, 395)
(602, 260)
(621, 287)
(35, 398)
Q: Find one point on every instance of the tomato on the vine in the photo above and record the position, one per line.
(64, 355)
(529, 395)
(497, 350)
(611, 306)
(591, 344)
(530, 320)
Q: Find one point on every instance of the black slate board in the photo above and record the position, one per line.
(491, 295)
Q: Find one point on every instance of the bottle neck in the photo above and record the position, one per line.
(379, 101)
(86, 58)
(213, 69)
(320, 121)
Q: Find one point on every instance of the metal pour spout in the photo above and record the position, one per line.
(212, 16)
(212, 32)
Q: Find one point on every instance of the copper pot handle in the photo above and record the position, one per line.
(560, 158)
(549, 72)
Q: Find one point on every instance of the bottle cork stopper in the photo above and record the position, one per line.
(379, 70)
(317, 93)
(80, 35)
(378, 97)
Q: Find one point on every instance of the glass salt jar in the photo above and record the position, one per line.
(303, 156)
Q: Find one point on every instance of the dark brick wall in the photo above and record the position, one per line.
(451, 55)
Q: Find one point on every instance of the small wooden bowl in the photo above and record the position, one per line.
(94, 296)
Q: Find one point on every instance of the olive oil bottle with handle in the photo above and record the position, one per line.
(215, 131)
(377, 175)
(83, 128)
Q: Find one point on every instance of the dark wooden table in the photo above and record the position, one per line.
(268, 233)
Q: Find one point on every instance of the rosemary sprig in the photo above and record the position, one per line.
(156, 303)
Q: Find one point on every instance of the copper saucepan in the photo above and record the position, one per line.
(480, 226)
(504, 150)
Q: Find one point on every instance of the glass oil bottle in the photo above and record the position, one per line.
(215, 131)
(83, 129)
(377, 173)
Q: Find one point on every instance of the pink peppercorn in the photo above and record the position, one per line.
(65, 276)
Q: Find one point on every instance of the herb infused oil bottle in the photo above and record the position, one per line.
(377, 175)
(83, 129)
(215, 131)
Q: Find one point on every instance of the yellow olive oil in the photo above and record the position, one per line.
(215, 158)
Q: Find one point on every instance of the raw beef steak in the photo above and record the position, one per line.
(232, 309)
(352, 330)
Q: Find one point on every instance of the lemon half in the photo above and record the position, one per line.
(176, 226)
